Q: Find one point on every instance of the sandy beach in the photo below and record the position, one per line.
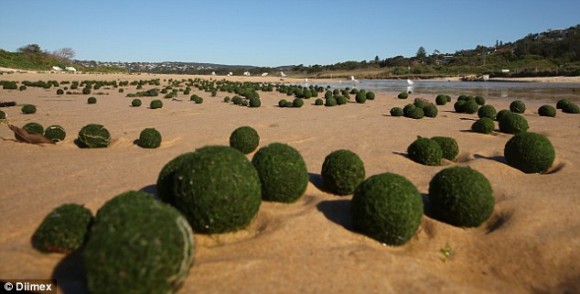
(530, 244)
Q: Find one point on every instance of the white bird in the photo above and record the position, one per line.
(247, 73)
(71, 69)
(410, 82)
(264, 74)
(56, 68)
(213, 73)
(353, 79)
(282, 74)
(230, 74)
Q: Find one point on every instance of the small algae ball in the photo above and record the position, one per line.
(571, 108)
(282, 103)
(513, 123)
(165, 188)
(94, 136)
(138, 245)
(341, 100)
(480, 100)
(441, 99)
(28, 109)
(342, 172)
(397, 111)
(361, 97)
(319, 101)
(150, 138)
(388, 208)
(92, 100)
(63, 230)
(484, 125)
(297, 102)
(34, 128)
(136, 102)
(403, 95)
(560, 104)
(217, 189)
(282, 172)
(415, 113)
(255, 102)
(430, 110)
(55, 133)
(370, 95)
(487, 111)
(547, 110)
(530, 152)
(155, 104)
(2, 114)
(330, 102)
(461, 196)
(425, 151)
(245, 139)
(449, 147)
(470, 107)
(518, 106)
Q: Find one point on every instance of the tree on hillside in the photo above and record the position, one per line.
(421, 53)
(30, 48)
(64, 53)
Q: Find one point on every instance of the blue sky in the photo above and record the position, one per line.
(272, 33)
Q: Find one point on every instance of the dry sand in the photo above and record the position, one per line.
(530, 244)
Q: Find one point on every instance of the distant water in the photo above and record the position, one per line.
(515, 90)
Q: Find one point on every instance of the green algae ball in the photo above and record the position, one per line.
(388, 208)
(150, 138)
(55, 133)
(298, 102)
(571, 108)
(136, 102)
(217, 189)
(470, 107)
(415, 113)
(63, 230)
(461, 196)
(2, 114)
(502, 113)
(94, 136)
(487, 111)
(425, 151)
(155, 104)
(430, 110)
(449, 147)
(518, 106)
(484, 125)
(397, 111)
(403, 95)
(361, 97)
(513, 123)
(547, 110)
(34, 128)
(480, 100)
(165, 180)
(245, 139)
(318, 101)
(28, 109)
(342, 172)
(530, 152)
(282, 172)
(92, 100)
(370, 95)
(441, 99)
(560, 104)
(138, 245)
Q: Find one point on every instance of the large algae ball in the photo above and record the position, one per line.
(513, 123)
(28, 109)
(547, 110)
(530, 152)
(449, 147)
(282, 171)
(138, 245)
(461, 196)
(165, 188)
(342, 172)
(425, 151)
(387, 207)
(155, 104)
(94, 136)
(55, 133)
(245, 139)
(484, 125)
(487, 111)
(63, 230)
(150, 138)
(34, 128)
(217, 189)
(571, 108)
(518, 106)
(397, 111)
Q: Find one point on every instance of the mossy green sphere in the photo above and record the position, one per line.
(150, 138)
(530, 152)
(55, 133)
(397, 111)
(403, 95)
(282, 103)
(63, 230)
(513, 123)
(430, 110)
(217, 189)
(138, 245)
(34, 128)
(255, 102)
(480, 100)
(441, 99)
(425, 151)
(484, 125)
(330, 102)
(547, 110)
(361, 97)
(388, 208)
(449, 147)
(282, 172)
(341, 100)
(136, 102)
(502, 113)
(155, 104)
(458, 106)
(318, 101)
(370, 95)
(28, 109)
(165, 188)
(415, 113)
(461, 196)
(487, 111)
(2, 114)
(470, 107)
(342, 171)
(297, 102)
(560, 104)
(245, 139)
(571, 108)
(92, 100)
(518, 106)
(94, 136)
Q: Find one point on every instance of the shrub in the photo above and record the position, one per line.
(63, 230)
(479, 100)
(217, 189)
(319, 101)
(150, 138)
(282, 103)
(513, 123)
(94, 136)
(397, 111)
(138, 244)
(530, 152)
(415, 113)
(136, 102)
(341, 100)
(484, 125)
(441, 99)
(501, 114)
(403, 95)
(370, 95)
(255, 102)
(155, 104)
(547, 110)
(330, 102)
(449, 147)
(34, 128)
(245, 139)
(461, 196)
(361, 97)
(425, 151)
(430, 110)
(518, 106)
(487, 111)
(571, 108)
(298, 102)
(282, 172)
(59, 92)
(342, 172)
(92, 100)
(560, 104)
(55, 133)
(388, 208)
(28, 109)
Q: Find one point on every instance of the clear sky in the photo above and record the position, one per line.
(272, 33)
